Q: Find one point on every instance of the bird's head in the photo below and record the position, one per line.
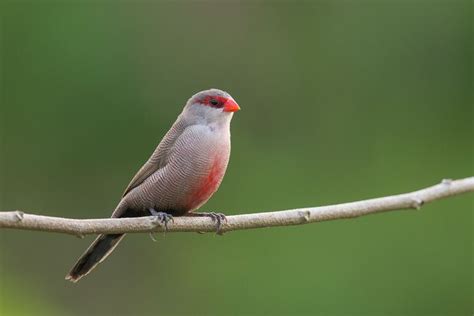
(211, 106)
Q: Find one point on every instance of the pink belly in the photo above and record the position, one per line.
(207, 185)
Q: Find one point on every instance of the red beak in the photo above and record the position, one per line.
(231, 106)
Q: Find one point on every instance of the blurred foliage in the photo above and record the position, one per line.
(342, 100)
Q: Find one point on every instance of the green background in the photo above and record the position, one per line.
(341, 100)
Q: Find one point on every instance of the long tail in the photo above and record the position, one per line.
(95, 254)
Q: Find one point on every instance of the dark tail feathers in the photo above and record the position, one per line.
(95, 254)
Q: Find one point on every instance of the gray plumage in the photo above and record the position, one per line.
(183, 172)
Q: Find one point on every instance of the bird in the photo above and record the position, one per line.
(183, 172)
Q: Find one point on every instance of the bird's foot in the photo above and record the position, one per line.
(162, 218)
(217, 218)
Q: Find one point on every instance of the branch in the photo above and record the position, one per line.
(81, 227)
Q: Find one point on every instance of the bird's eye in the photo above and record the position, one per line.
(214, 102)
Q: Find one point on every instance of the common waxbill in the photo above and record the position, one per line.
(183, 172)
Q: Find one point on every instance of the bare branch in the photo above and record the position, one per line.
(81, 227)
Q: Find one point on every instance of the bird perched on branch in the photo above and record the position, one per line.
(181, 175)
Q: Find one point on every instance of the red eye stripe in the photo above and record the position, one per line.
(217, 100)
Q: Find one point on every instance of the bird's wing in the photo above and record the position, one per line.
(145, 171)
(159, 157)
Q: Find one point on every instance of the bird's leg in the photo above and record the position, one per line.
(162, 218)
(218, 218)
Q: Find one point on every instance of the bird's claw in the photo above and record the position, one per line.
(162, 218)
(217, 218)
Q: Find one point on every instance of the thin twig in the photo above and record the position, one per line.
(82, 227)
